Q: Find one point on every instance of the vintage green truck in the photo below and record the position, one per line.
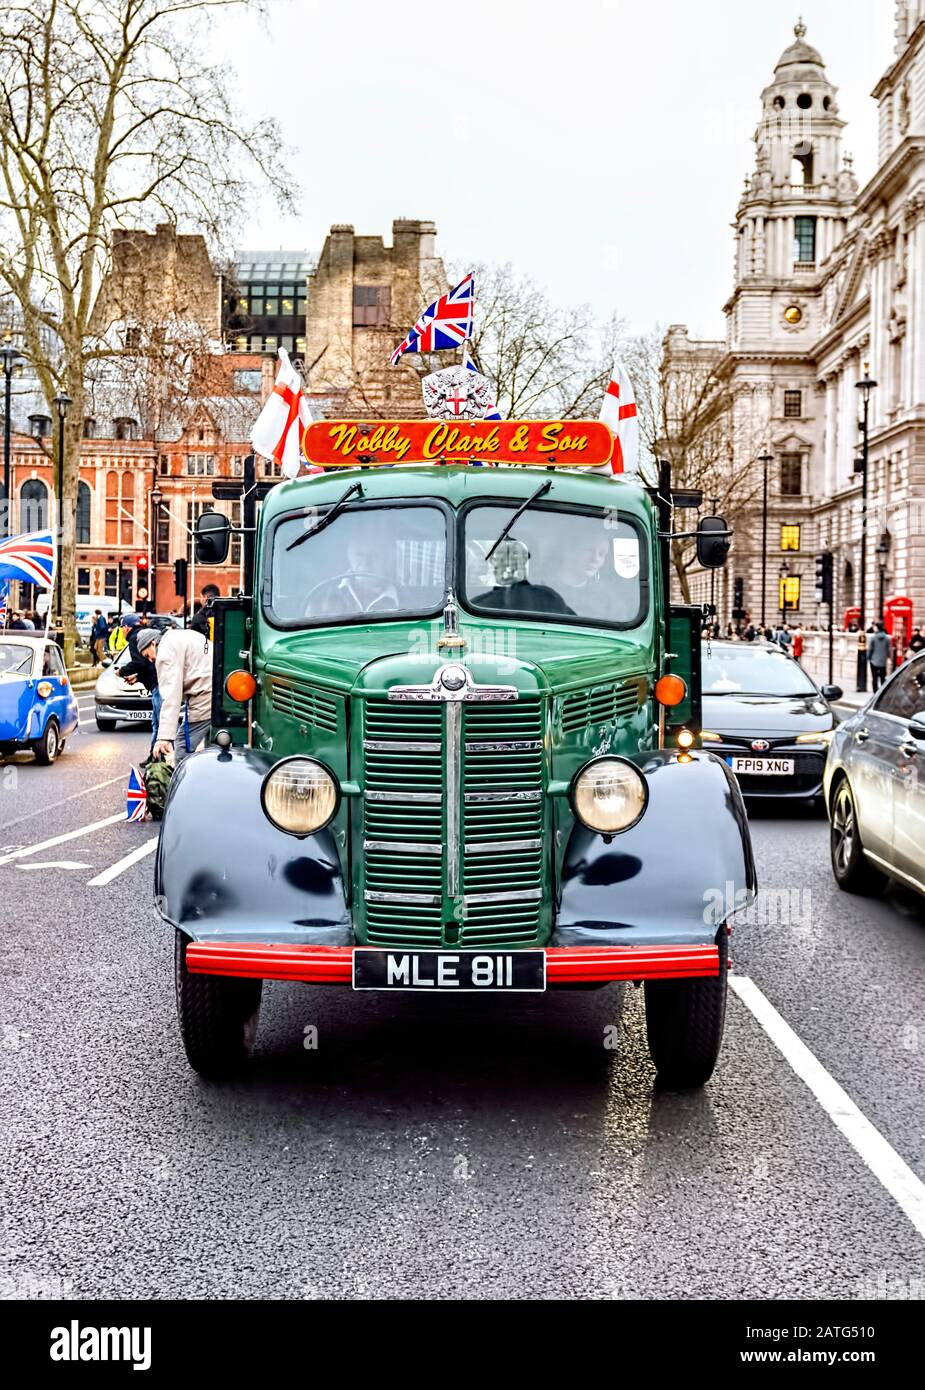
(455, 749)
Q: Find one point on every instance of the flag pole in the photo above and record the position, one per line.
(53, 588)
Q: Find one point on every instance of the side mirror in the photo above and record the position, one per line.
(212, 538)
(832, 692)
(917, 727)
(712, 542)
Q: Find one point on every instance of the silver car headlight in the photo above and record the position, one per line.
(609, 795)
(300, 796)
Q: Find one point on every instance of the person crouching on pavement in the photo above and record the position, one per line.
(184, 674)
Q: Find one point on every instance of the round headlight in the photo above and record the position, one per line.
(609, 795)
(300, 796)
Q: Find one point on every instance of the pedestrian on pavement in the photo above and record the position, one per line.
(916, 641)
(99, 635)
(117, 637)
(878, 653)
(16, 623)
(184, 671)
(798, 644)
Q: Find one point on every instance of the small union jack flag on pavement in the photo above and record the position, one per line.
(30, 557)
(136, 799)
(447, 323)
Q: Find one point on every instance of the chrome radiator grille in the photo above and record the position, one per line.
(488, 760)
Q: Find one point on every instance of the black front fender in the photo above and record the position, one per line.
(675, 876)
(223, 872)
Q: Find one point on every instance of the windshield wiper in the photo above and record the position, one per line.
(543, 487)
(328, 516)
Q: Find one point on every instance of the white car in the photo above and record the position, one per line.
(117, 700)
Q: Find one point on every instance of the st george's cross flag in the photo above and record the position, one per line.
(618, 412)
(447, 323)
(29, 557)
(136, 798)
(278, 430)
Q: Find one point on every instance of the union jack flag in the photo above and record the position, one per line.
(4, 596)
(447, 323)
(136, 800)
(30, 557)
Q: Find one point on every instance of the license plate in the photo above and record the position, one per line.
(462, 972)
(133, 714)
(763, 767)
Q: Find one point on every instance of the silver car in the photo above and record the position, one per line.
(875, 787)
(115, 699)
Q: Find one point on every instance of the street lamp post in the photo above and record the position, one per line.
(10, 356)
(156, 496)
(883, 554)
(765, 460)
(62, 401)
(861, 465)
(783, 575)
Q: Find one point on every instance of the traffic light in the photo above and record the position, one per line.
(738, 599)
(125, 585)
(824, 568)
(180, 577)
(141, 583)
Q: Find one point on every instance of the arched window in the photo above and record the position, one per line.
(83, 514)
(33, 506)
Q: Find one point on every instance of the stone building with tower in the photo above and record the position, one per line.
(363, 296)
(828, 291)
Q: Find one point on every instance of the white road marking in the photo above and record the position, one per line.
(906, 1189)
(53, 806)
(60, 839)
(55, 864)
(121, 865)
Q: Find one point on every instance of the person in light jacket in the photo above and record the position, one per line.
(184, 676)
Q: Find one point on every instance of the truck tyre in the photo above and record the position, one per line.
(853, 871)
(684, 1024)
(217, 1015)
(47, 748)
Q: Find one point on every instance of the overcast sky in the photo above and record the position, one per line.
(599, 145)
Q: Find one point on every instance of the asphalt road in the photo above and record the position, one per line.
(453, 1148)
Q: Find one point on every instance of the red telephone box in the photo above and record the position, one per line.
(897, 618)
(852, 615)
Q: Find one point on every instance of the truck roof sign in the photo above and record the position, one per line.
(348, 443)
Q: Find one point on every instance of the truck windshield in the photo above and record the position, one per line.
(556, 563)
(380, 561)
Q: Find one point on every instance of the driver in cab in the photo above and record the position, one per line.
(364, 586)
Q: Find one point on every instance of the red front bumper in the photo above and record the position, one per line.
(333, 965)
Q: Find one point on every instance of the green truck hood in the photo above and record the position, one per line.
(536, 659)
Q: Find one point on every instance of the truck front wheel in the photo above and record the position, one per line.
(684, 1023)
(218, 1016)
